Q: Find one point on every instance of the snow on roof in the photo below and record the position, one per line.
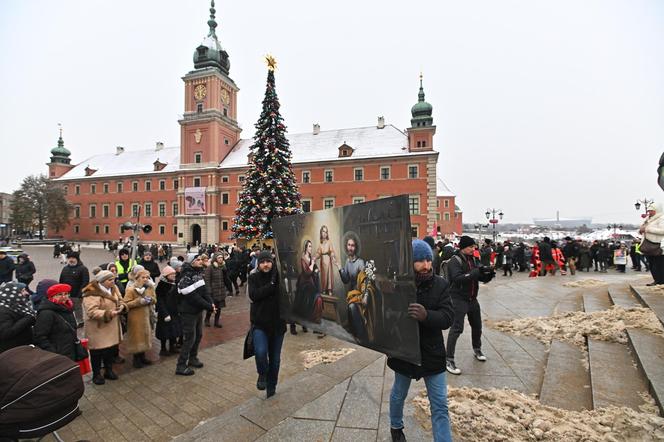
(367, 142)
(442, 189)
(127, 163)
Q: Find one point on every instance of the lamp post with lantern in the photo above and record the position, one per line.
(479, 228)
(646, 203)
(491, 216)
(614, 227)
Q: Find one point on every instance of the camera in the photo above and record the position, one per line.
(487, 273)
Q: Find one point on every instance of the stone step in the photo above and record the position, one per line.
(614, 377)
(654, 301)
(596, 300)
(648, 350)
(622, 296)
(566, 381)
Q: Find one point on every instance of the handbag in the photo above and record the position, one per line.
(650, 248)
(249, 344)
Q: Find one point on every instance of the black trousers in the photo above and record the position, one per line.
(192, 331)
(463, 308)
(217, 315)
(105, 356)
(657, 268)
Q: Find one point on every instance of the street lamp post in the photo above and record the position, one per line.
(491, 216)
(614, 227)
(646, 202)
(136, 228)
(479, 228)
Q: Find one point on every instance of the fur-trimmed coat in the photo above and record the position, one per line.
(139, 331)
(101, 329)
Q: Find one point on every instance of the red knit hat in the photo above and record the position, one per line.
(57, 289)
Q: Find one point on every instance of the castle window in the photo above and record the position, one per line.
(224, 225)
(162, 184)
(419, 144)
(413, 171)
(118, 210)
(176, 184)
(148, 209)
(134, 186)
(224, 198)
(197, 182)
(446, 203)
(105, 209)
(328, 203)
(105, 187)
(77, 190)
(175, 209)
(107, 229)
(359, 174)
(240, 178)
(119, 187)
(306, 177)
(414, 205)
(175, 229)
(329, 176)
(93, 211)
(198, 157)
(225, 112)
(414, 231)
(224, 179)
(446, 216)
(148, 185)
(306, 206)
(199, 107)
(162, 209)
(93, 188)
(162, 229)
(97, 230)
(77, 228)
(77, 211)
(65, 189)
(358, 199)
(226, 141)
(385, 173)
(134, 210)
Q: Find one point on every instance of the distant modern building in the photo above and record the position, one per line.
(5, 214)
(332, 168)
(559, 222)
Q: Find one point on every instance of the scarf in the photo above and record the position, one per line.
(64, 302)
(12, 299)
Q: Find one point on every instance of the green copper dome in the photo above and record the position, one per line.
(60, 154)
(422, 110)
(210, 53)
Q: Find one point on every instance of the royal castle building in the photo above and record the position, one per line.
(332, 168)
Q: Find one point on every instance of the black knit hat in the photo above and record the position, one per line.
(264, 255)
(466, 241)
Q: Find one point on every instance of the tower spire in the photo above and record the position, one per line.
(212, 23)
(420, 95)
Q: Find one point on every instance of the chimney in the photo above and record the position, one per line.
(119, 150)
(316, 128)
(159, 146)
(381, 122)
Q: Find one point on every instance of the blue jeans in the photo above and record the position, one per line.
(268, 356)
(437, 392)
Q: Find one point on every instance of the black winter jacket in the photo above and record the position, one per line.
(434, 296)
(464, 276)
(25, 271)
(153, 268)
(76, 276)
(15, 329)
(55, 329)
(6, 269)
(545, 252)
(265, 297)
(193, 294)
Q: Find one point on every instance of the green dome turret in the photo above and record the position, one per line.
(210, 53)
(60, 154)
(421, 111)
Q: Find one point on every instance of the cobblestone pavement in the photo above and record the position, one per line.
(344, 401)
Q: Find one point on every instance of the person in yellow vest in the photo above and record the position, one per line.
(124, 265)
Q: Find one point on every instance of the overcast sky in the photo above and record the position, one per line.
(539, 105)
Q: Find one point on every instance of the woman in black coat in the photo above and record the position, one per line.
(25, 269)
(16, 316)
(55, 329)
(169, 328)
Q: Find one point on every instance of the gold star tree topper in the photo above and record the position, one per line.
(271, 62)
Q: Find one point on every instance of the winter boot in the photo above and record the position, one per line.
(397, 435)
(261, 383)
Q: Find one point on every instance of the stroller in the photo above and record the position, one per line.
(39, 393)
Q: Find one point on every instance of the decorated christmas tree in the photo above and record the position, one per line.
(269, 189)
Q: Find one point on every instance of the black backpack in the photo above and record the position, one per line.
(444, 270)
(39, 392)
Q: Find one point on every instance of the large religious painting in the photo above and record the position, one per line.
(348, 272)
(194, 201)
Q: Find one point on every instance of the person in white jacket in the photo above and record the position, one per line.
(653, 230)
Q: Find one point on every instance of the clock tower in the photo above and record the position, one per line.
(208, 132)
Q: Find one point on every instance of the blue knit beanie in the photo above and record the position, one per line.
(421, 251)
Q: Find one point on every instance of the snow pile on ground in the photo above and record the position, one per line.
(659, 289)
(507, 415)
(584, 283)
(605, 325)
(315, 357)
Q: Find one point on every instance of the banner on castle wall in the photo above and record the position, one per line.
(194, 201)
(348, 272)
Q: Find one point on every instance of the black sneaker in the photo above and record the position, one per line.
(397, 435)
(98, 379)
(270, 392)
(261, 383)
(184, 371)
(110, 375)
(194, 362)
(452, 368)
(479, 355)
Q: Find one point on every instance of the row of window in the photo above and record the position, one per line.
(119, 187)
(107, 229)
(135, 208)
(358, 174)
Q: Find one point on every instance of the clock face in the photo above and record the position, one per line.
(200, 92)
(225, 97)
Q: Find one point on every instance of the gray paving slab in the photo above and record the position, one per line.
(494, 365)
(230, 426)
(655, 301)
(566, 382)
(622, 296)
(375, 369)
(487, 381)
(327, 406)
(361, 408)
(412, 427)
(571, 303)
(596, 300)
(353, 435)
(293, 429)
(610, 361)
(648, 350)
